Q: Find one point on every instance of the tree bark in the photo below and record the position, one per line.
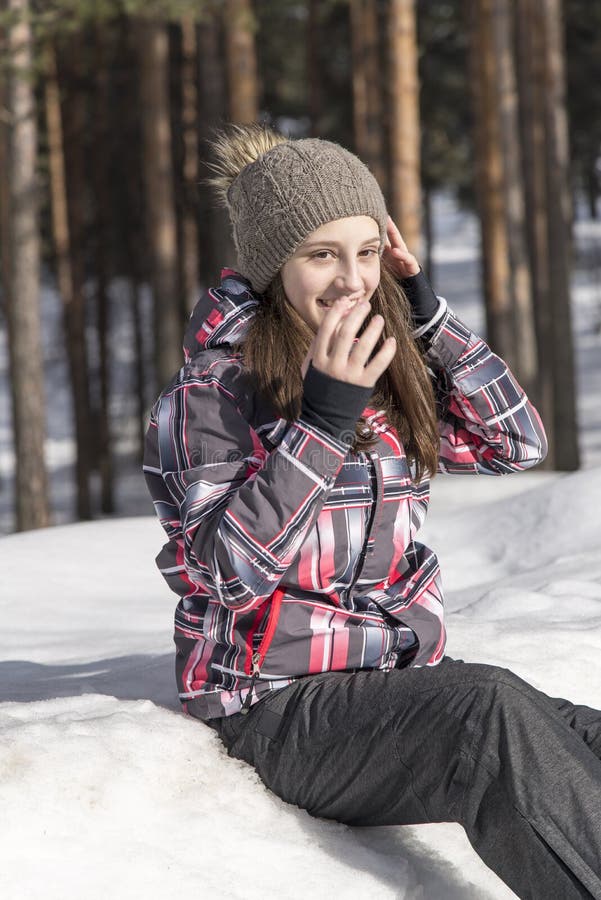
(22, 272)
(403, 102)
(5, 122)
(524, 335)
(100, 182)
(560, 237)
(367, 94)
(159, 196)
(490, 182)
(134, 243)
(530, 56)
(544, 129)
(592, 190)
(216, 240)
(315, 98)
(428, 259)
(189, 248)
(243, 86)
(67, 125)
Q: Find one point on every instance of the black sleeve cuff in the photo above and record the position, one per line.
(332, 404)
(421, 296)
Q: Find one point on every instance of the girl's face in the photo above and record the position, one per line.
(338, 259)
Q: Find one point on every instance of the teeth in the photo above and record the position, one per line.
(330, 303)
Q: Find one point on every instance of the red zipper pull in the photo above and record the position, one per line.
(259, 655)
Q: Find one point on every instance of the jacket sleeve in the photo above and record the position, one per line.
(244, 511)
(488, 425)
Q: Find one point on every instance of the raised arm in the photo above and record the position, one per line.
(489, 426)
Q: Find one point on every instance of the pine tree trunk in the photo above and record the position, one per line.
(592, 190)
(100, 180)
(544, 130)
(490, 183)
(524, 335)
(22, 273)
(428, 262)
(134, 262)
(67, 120)
(159, 196)
(560, 237)
(243, 86)
(367, 95)
(315, 99)
(4, 192)
(189, 249)
(530, 55)
(500, 190)
(217, 245)
(403, 101)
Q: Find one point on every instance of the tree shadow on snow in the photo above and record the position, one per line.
(136, 677)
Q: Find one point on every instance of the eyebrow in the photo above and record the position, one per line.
(325, 243)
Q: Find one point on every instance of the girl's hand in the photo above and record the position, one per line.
(336, 351)
(402, 263)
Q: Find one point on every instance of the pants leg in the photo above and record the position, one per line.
(460, 742)
(585, 721)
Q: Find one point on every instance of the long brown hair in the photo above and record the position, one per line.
(278, 338)
(277, 342)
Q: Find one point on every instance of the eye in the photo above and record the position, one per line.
(322, 254)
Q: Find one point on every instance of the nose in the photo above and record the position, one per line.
(348, 280)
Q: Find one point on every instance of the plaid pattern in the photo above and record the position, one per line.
(253, 504)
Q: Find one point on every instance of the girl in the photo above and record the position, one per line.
(288, 460)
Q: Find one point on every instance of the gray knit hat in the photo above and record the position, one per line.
(278, 199)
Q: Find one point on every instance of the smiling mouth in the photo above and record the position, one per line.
(328, 303)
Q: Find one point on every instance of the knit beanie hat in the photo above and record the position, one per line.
(278, 191)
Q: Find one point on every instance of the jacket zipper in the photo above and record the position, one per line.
(374, 481)
(259, 654)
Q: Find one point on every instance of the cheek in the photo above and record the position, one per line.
(311, 285)
(374, 281)
(300, 285)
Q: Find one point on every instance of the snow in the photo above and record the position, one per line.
(107, 790)
(105, 782)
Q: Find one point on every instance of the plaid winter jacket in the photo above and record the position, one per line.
(291, 554)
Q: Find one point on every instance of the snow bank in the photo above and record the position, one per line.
(108, 790)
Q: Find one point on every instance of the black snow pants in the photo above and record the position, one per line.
(458, 742)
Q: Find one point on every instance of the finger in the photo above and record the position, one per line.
(327, 328)
(396, 236)
(363, 349)
(402, 255)
(381, 360)
(390, 232)
(343, 338)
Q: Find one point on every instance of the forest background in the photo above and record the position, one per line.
(105, 110)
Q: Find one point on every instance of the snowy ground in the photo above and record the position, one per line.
(106, 790)
(115, 793)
